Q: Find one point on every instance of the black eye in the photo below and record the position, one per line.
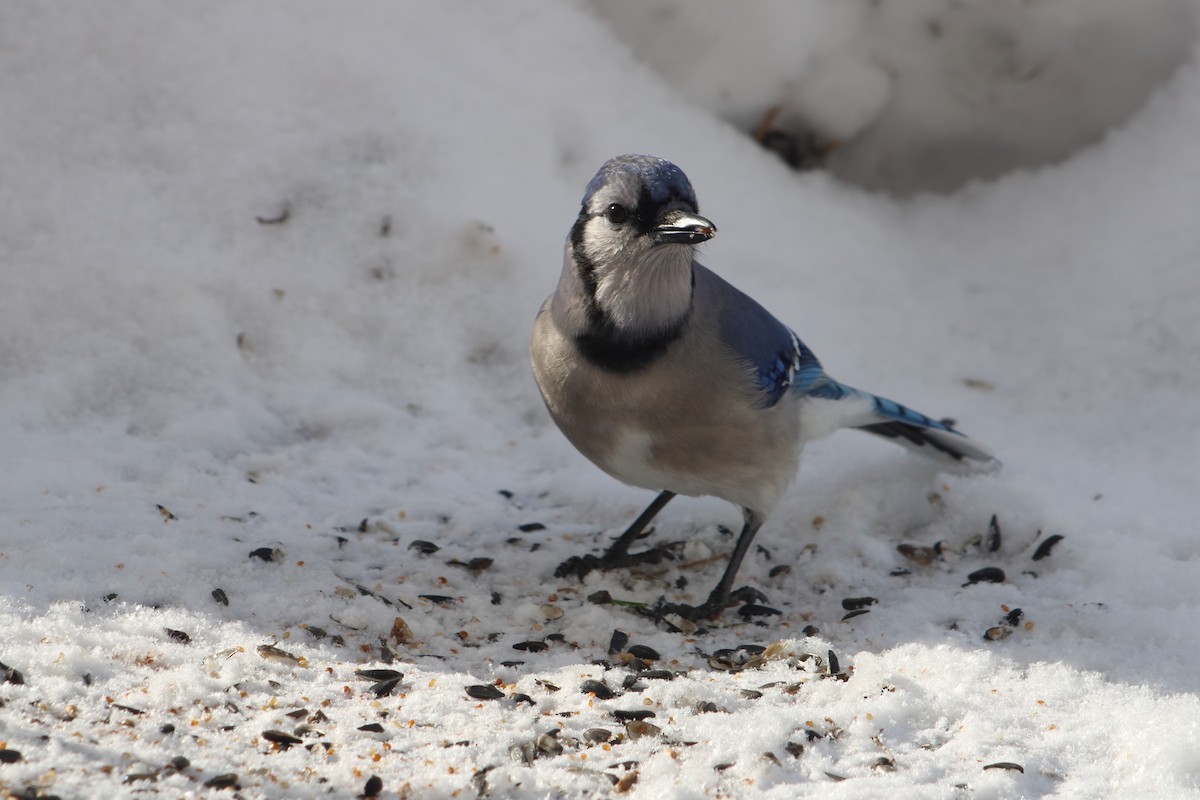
(616, 213)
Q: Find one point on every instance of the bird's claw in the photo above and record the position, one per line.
(580, 566)
(714, 606)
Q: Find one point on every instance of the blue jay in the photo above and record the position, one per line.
(668, 378)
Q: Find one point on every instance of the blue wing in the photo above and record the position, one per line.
(781, 362)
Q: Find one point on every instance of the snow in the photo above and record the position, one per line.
(273, 268)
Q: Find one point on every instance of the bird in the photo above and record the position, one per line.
(668, 378)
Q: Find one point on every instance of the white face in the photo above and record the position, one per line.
(641, 286)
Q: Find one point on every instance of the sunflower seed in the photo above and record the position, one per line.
(597, 688)
(993, 535)
(636, 714)
(284, 740)
(1046, 546)
(638, 729)
(985, 575)
(597, 735)
(484, 692)
(643, 652)
(178, 636)
(548, 743)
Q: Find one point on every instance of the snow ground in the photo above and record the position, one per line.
(272, 268)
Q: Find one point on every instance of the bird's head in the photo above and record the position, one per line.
(631, 246)
(636, 203)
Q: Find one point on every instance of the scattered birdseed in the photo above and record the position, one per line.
(601, 691)
(855, 603)
(220, 596)
(373, 787)
(134, 777)
(530, 527)
(993, 535)
(637, 729)
(856, 613)
(756, 610)
(371, 727)
(523, 753)
(11, 675)
(479, 780)
(474, 565)
(548, 743)
(834, 667)
(600, 598)
(985, 575)
(423, 547)
(228, 780)
(178, 636)
(437, 599)
(617, 642)
(779, 569)
(1005, 765)
(10, 756)
(267, 554)
(918, 553)
(597, 735)
(626, 781)
(1046, 546)
(644, 652)
(273, 653)
(626, 716)
(484, 692)
(284, 740)
(551, 612)
(997, 633)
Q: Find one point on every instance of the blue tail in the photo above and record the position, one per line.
(891, 420)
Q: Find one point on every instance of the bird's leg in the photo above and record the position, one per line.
(617, 555)
(723, 595)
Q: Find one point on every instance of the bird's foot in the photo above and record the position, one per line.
(714, 606)
(580, 566)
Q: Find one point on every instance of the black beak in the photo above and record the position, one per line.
(683, 227)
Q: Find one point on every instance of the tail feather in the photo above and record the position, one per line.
(902, 425)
